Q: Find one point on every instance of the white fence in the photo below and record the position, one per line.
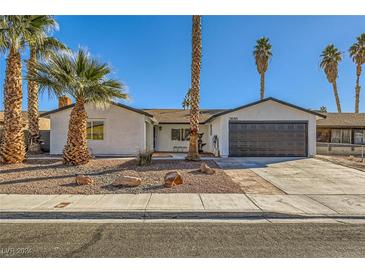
(340, 149)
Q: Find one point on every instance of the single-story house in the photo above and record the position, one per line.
(269, 127)
(341, 133)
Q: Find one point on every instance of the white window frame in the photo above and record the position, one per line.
(96, 120)
(362, 138)
(181, 134)
(342, 134)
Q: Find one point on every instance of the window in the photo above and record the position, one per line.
(323, 135)
(359, 136)
(95, 130)
(341, 136)
(175, 134)
(180, 134)
(186, 134)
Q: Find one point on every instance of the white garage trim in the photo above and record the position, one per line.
(265, 110)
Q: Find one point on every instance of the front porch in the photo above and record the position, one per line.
(174, 138)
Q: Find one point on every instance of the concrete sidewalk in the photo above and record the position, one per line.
(181, 205)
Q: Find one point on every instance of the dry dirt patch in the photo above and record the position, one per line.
(346, 161)
(251, 183)
(53, 177)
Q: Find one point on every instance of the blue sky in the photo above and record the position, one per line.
(151, 55)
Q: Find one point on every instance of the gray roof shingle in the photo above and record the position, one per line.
(173, 116)
(345, 120)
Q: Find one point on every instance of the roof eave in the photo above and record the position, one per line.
(45, 114)
(262, 101)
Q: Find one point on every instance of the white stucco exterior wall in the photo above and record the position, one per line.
(268, 110)
(163, 137)
(149, 136)
(124, 131)
(216, 129)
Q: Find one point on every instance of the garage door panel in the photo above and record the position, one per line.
(267, 139)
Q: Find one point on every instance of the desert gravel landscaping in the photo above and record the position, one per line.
(53, 177)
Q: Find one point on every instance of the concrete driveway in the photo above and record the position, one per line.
(301, 175)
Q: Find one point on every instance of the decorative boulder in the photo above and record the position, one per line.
(127, 181)
(204, 168)
(173, 178)
(83, 180)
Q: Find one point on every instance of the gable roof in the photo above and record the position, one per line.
(262, 101)
(180, 116)
(343, 120)
(113, 103)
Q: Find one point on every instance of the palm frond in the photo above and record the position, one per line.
(78, 75)
(49, 45)
(262, 53)
(357, 50)
(18, 30)
(330, 59)
(187, 100)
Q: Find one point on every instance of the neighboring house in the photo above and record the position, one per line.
(345, 128)
(44, 128)
(341, 133)
(268, 127)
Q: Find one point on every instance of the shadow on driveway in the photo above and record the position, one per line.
(253, 162)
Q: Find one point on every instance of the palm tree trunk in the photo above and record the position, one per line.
(193, 153)
(12, 148)
(357, 96)
(76, 151)
(262, 86)
(334, 84)
(33, 114)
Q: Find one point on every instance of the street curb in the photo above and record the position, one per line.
(165, 215)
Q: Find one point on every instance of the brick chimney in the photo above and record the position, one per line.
(64, 101)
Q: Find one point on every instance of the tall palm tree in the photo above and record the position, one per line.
(262, 54)
(37, 52)
(357, 53)
(194, 93)
(86, 80)
(2, 51)
(331, 57)
(15, 31)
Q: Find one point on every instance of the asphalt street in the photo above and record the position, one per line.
(181, 239)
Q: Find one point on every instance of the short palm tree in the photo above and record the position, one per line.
(331, 57)
(86, 80)
(186, 103)
(37, 52)
(323, 109)
(262, 54)
(357, 53)
(194, 92)
(15, 32)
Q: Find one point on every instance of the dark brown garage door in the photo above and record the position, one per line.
(268, 138)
